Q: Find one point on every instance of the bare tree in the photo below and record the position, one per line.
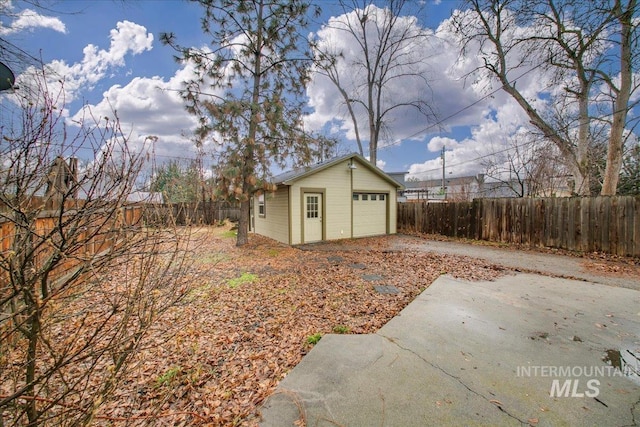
(589, 53)
(81, 280)
(527, 167)
(512, 167)
(389, 47)
(630, 173)
(549, 175)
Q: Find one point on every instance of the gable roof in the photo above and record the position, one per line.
(288, 178)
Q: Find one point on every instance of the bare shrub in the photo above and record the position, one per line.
(82, 278)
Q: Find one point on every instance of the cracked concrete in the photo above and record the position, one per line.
(476, 353)
(459, 380)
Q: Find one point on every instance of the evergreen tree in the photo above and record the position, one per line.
(177, 184)
(247, 93)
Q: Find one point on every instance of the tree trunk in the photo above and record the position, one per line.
(581, 181)
(249, 161)
(32, 357)
(373, 142)
(621, 104)
(373, 155)
(612, 170)
(243, 224)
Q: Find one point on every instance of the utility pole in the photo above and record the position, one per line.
(444, 188)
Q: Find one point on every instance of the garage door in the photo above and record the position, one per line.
(369, 214)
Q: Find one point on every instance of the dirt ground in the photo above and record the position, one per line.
(252, 313)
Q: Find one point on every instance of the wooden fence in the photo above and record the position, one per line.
(101, 232)
(98, 234)
(587, 224)
(207, 213)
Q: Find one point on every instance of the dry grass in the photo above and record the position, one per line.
(247, 316)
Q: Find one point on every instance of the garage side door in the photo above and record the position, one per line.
(369, 214)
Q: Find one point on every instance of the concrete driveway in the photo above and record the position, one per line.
(525, 349)
(531, 261)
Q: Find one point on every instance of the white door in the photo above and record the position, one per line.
(312, 217)
(369, 214)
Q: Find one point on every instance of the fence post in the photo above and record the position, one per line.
(608, 224)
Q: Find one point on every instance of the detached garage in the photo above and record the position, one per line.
(340, 198)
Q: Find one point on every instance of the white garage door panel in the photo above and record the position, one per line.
(369, 216)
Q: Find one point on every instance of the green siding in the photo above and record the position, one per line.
(337, 183)
(274, 223)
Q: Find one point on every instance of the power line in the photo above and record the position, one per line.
(68, 148)
(565, 128)
(442, 121)
(493, 153)
(456, 113)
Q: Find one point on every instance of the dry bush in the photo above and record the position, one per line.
(82, 279)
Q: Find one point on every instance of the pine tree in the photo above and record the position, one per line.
(247, 93)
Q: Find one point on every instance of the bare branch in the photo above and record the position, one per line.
(578, 47)
(387, 42)
(81, 278)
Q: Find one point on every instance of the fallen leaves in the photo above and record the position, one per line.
(248, 317)
(615, 267)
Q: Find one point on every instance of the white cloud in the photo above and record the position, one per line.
(72, 79)
(469, 156)
(327, 103)
(437, 142)
(150, 107)
(458, 101)
(459, 161)
(129, 37)
(470, 100)
(28, 20)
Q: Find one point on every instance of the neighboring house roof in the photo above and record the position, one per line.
(398, 176)
(473, 186)
(461, 180)
(288, 178)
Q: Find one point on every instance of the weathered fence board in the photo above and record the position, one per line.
(606, 224)
(100, 227)
(191, 213)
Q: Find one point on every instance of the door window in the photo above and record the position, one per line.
(312, 206)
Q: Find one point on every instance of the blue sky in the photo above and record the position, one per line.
(110, 56)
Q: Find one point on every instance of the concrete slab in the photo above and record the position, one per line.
(523, 350)
(570, 267)
(386, 289)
